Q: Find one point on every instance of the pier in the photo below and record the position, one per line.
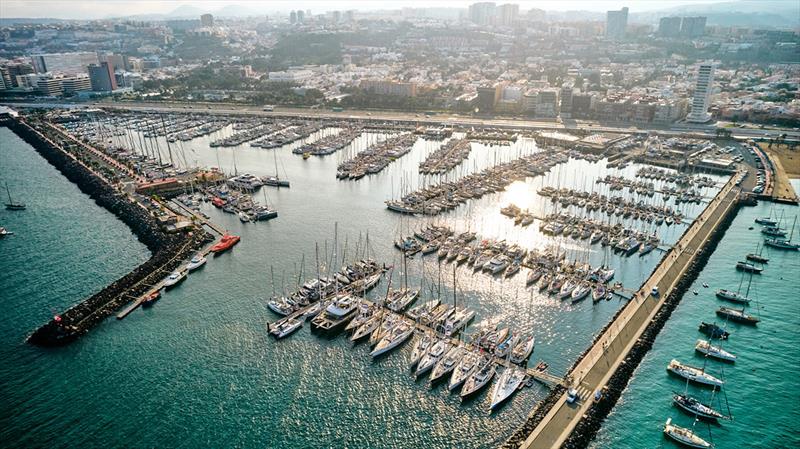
(611, 349)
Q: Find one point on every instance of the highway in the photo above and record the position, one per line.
(678, 130)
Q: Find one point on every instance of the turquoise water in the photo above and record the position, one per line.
(760, 386)
(197, 369)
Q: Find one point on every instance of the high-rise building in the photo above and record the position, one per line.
(102, 77)
(63, 62)
(482, 13)
(616, 23)
(565, 107)
(669, 27)
(488, 97)
(350, 15)
(337, 16)
(207, 20)
(693, 27)
(9, 73)
(75, 84)
(507, 15)
(50, 87)
(702, 94)
(300, 16)
(292, 17)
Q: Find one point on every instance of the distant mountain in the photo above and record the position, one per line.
(749, 13)
(186, 12)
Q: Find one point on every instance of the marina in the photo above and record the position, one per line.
(535, 283)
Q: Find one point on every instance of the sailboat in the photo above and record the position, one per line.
(685, 436)
(736, 296)
(11, 204)
(756, 256)
(782, 243)
(275, 181)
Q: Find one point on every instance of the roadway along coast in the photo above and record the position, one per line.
(612, 348)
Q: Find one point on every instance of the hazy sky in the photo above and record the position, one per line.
(77, 9)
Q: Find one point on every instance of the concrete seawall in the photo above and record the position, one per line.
(168, 250)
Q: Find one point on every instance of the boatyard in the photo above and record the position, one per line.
(468, 256)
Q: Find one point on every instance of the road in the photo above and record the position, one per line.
(422, 119)
(596, 368)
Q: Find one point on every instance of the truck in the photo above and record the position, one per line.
(337, 109)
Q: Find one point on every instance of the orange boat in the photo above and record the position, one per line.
(225, 243)
(151, 298)
(218, 202)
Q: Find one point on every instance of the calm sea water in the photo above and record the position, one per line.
(198, 369)
(759, 387)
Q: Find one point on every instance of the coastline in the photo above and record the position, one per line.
(167, 250)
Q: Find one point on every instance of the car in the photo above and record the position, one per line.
(654, 292)
(572, 396)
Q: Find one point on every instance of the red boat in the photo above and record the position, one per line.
(225, 244)
(151, 298)
(218, 202)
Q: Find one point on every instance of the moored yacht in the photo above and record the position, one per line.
(420, 349)
(704, 347)
(732, 296)
(468, 364)
(479, 378)
(693, 374)
(737, 315)
(447, 364)
(523, 349)
(685, 436)
(509, 382)
(286, 327)
(432, 357)
(175, 278)
(695, 407)
(197, 262)
(397, 336)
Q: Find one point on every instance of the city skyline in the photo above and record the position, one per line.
(118, 8)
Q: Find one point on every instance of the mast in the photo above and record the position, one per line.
(169, 148)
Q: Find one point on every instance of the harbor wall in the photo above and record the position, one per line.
(590, 423)
(167, 250)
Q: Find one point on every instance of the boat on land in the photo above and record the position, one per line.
(737, 315)
(196, 263)
(175, 278)
(695, 407)
(685, 436)
(286, 327)
(509, 382)
(227, 242)
(694, 374)
(704, 347)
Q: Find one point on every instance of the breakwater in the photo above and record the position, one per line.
(168, 250)
(587, 427)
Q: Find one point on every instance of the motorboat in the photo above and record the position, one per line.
(509, 382)
(226, 242)
(175, 278)
(196, 263)
(684, 436)
(693, 374)
(151, 299)
(705, 347)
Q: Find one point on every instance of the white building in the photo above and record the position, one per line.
(702, 94)
(291, 76)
